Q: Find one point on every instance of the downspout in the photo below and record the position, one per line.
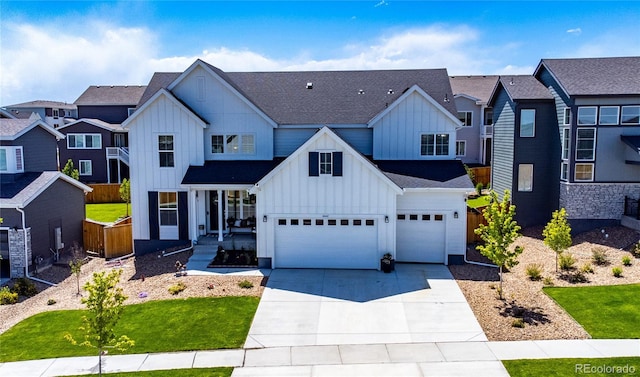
(26, 252)
(478, 263)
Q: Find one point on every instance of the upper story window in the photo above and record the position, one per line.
(434, 145)
(587, 115)
(488, 117)
(119, 140)
(585, 144)
(566, 142)
(466, 117)
(609, 115)
(233, 144)
(325, 163)
(165, 149)
(567, 116)
(461, 147)
(630, 115)
(11, 160)
(84, 141)
(527, 123)
(56, 113)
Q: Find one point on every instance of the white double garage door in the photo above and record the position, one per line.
(352, 242)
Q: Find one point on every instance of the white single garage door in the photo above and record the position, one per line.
(346, 242)
(420, 237)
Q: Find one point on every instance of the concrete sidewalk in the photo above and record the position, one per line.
(411, 359)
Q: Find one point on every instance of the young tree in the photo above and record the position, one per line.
(125, 192)
(104, 305)
(557, 233)
(70, 171)
(499, 233)
(76, 269)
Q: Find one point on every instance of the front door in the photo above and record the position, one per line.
(5, 264)
(214, 203)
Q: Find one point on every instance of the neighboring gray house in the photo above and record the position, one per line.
(569, 137)
(54, 113)
(471, 95)
(109, 103)
(36, 200)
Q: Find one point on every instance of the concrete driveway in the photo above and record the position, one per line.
(416, 303)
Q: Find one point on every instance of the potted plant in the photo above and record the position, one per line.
(387, 263)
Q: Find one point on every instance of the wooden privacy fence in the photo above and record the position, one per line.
(474, 219)
(482, 174)
(104, 193)
(108, 240)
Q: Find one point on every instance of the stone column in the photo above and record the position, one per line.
(17, 251)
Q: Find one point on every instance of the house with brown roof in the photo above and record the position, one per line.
(109, 103)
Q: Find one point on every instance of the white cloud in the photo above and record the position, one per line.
(612, 43)
(576, 31)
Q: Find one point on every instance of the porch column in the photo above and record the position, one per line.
(220, 224)
(108, 168)
(193, 218)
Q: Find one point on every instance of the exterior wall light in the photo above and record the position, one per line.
(455, 215)
(386, 219)
(264, 218)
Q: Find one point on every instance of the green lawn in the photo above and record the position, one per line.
(106, 212)
(196, 372)
(155, 326)
(605, 312)
(480, 201)
(573, 367)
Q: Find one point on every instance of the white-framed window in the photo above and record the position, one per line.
(609, 115)
(525, 177)
(168, 208)
(119, 140)
(466, 117)
(566, 120)
(585, 144)
(84, 141)
(461, 147)
(488, 116)
(565, 140)
(11, 159)
(233, 144)
(583, 172)
(434, 145)
(165, 151)
(85, 167)
(326, 165)
(587, 115)
(630, 115)
(527, 123)
(56, 113)
(564, 171)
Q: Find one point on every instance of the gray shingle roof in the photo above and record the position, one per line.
(43, 104)
(596, 76)
(111, 95)
(524, 87)
(95, 122)
(479, 87)
(336, 97)
(11, 127)
(23, 188)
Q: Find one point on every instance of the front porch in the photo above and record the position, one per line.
(206, 249)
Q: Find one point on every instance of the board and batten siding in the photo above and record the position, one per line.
(445, 203)
(396, 136)
(163, 117)
(226, 112)
(288, 140)
(292, 192)
(503, 134)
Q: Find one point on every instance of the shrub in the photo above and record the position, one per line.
(566, 261)
(177, 288)
(577, 277)
(587, 268)
(51, 301)
(7, 297)
(534, 271)
(599, 256)
(617, 272)
(479, 189)
(626, 260)
(25, 287)
(246, 284)
(636, 250)
(548, 281)
(518, 322)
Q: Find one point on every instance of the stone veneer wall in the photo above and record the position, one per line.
(596, 200)
(16, 251)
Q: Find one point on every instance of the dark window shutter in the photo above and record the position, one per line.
(314, 164)
(337, 164)
(154, 225)
(183, 215)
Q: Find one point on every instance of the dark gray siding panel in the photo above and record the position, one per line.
(39, 147)
(11, 218)
(287, 140)
(62, 204)
(503, 133)
(98, 157)
(109, 114)
(561, 99)
(611, 154)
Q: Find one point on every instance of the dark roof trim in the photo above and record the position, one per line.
(633, 141)
(246, 172)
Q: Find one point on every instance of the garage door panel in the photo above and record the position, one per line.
(326, 246)
(420, 237)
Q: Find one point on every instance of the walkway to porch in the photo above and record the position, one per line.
(207, 247)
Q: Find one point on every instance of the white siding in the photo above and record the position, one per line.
(226, 112)
(440, 201)
(396, 136)
(162, 117)
(359, 192)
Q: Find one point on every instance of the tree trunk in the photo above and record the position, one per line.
(100, 362)
(500, 293)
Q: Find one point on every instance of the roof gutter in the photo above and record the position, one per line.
(26, 251)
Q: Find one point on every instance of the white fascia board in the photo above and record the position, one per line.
(37, 123)
(203, 65)
(319, 126)
(470, 98)
(214, 187)
(414, 89)
(163, 93)
(448, 189)
(94, 122)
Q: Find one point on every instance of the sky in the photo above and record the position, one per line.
(54, 50)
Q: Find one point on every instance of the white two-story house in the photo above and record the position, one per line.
(329, 169)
